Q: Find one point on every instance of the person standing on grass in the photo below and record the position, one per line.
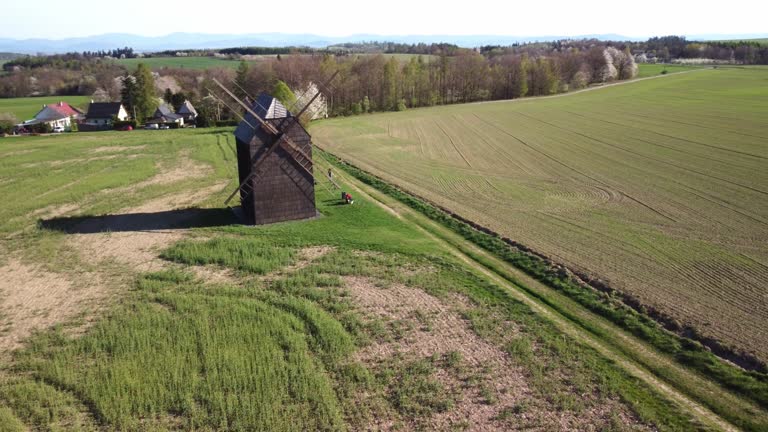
(330, 174)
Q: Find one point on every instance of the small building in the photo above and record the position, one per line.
(282, 189)
(102, 114)
(165, 116)
(58, 116)
(188, 112)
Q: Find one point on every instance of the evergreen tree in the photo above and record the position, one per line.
(168, 95)
(145, 102)
(177, 99)
(128, 94)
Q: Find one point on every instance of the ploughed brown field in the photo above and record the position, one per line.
(658, 187)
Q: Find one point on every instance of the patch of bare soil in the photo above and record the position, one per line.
(54, 211)
(214, 275)
(187, 168)
(306, 257)
(440, 332)
(18, 152)
(489, 387)
(136, 236)
(114, 149)
(32, 298)
(57, 163)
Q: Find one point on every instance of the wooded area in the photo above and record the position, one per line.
(392, 77)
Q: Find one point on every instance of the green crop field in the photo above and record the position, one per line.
(130, 299)
(651, 69)
(213, 62)
(180, 62)
(656, 187)
(26, 108)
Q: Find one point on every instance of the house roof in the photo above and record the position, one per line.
(103, 109)
(266, 107)
(187, 108)
(56, 111)
(163, 110)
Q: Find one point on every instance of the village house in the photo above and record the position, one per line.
(102, 114)
(165, 116)
(188, 112)
(58, 116)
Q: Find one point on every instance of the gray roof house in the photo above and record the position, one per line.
(164, 115)
(188, 112)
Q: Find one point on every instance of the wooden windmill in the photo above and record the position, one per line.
(274, 159)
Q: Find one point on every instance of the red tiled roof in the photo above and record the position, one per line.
(64, 108)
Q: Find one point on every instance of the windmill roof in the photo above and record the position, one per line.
(266, 107)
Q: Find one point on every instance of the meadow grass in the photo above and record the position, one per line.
(176, 352)
(9, 421)
(26, 108)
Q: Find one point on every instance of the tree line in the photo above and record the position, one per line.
(71, 60)
(382, 82)
(369, 83)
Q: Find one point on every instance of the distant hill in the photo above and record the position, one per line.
(202, 41)
(179, 41)
(9, 55)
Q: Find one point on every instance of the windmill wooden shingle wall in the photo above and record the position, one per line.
(283, 190)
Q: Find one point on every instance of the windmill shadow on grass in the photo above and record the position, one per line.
(148, 222)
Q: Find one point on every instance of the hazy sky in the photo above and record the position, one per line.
(55, 19)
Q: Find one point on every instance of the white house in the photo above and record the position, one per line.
(103, 113)
(58, 115)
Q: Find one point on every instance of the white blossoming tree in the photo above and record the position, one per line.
(319, 107)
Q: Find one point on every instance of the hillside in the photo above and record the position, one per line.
(656, 188)
(134, 301)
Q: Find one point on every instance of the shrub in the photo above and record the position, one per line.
(7, 122)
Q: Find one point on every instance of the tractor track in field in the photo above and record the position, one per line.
(575, 170)
(642, 155)
(602, 120)
(454, 145)
(630, 364)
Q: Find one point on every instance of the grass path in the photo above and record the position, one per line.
(632, 347)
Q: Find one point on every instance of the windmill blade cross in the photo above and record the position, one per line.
(267, 126)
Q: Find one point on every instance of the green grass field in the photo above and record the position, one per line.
(26, 108)
(657, 187)
(246, 328)
(212, 62)
(180, 62)
(649, 69)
